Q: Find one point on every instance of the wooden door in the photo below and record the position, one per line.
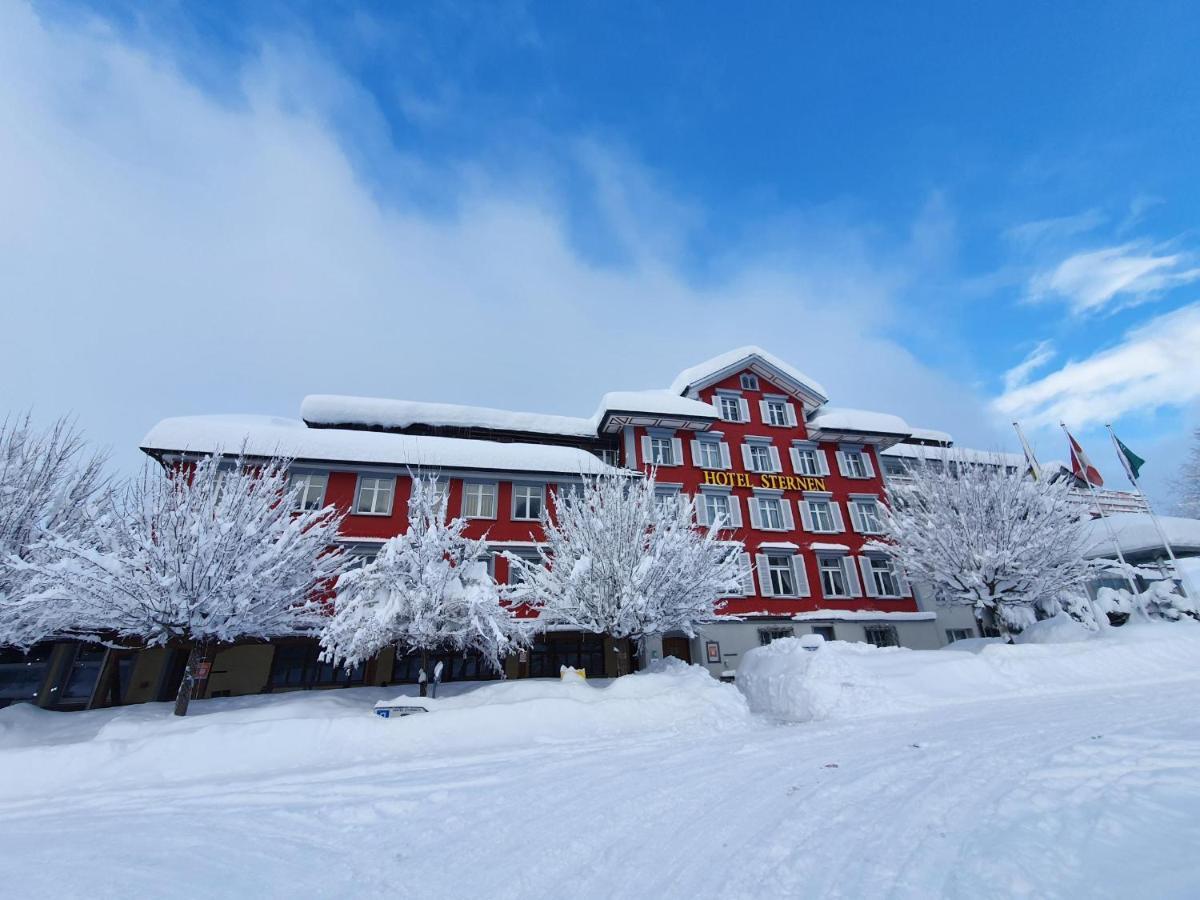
(678, 647)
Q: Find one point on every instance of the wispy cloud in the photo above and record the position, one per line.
(1113, 276)
(1019, 374)
(1155, 365)
(1045, 230)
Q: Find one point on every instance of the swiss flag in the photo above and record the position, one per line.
(1081, 466)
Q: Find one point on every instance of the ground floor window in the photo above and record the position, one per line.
(766, 635)
(959, 634)
(78, 683)
(825, 631)
(456, 666)
(296, 665)
(579, 650)
(882, 635)
(22, 674)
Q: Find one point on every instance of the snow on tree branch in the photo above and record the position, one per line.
(984, 536)
(620, 561)
(428, 589)
(1187, 483)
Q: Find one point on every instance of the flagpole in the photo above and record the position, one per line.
(1183, 578)
(1029, 457)
(1100, 509)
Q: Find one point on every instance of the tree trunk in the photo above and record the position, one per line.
(188, 684)
(620, 654)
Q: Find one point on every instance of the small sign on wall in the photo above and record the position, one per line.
(712, 651)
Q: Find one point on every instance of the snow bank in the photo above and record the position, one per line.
(850, 680)
(241, 737)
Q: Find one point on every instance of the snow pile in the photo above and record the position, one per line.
(851, 680)
(243, 737)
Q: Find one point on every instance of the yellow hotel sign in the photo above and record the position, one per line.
(772, 482)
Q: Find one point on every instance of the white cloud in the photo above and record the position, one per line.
(165, 252)
(1037, 357)
(1046, 230)
(1155, 365)
(1091, 281)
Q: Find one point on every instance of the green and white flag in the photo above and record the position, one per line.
(1130, 460)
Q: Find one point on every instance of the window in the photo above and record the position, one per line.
(820, 513)
(21, 674)
(296, 664)
(527, 502)
(708, 455)
(310, 489)
(777, 412)
(783, 578)
(855, 464)
(881, 635)
(770, 513)
(865, 514)
(825, 631)
(759, 458)
(716, 506)
(375, 495)
(883, 575)
(479, 500)
(833, 577)
(516, 573)
(807, 462)
(608, 457)
(766, 635)
(959, 634)
(661, 451)
(731, 409)
(749, 382)
(665, 496)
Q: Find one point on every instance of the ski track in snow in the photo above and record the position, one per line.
(1091, 794)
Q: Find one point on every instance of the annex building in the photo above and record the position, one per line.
(749, 436)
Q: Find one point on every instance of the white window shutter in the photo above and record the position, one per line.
(868, 581)
(764, 411)
(716, 402)
(725, 462)
(744, 407)
(806, 515)
(836, 508)
(646, 458)
(823, 461)
(776, 465)
(735, 511)
(677, 451)
(746, 461)
(852, 585)
(801, 575)
(856, 521)
(867, 464)
(701, 511)
(791, 413)
(794, 456)
(755, 518)
(901, 582)
(747, 575)
(841, 458)
(696, 454)
(789, 521)
(764, 574)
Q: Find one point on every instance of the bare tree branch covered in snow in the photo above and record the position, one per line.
(620, 561)
(984, 536)
(428, 589)
(48, 484)
(1187, 483)
(203, 554)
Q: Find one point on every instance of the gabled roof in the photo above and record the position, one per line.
(772, 368)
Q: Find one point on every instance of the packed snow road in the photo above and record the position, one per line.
(1084, 793)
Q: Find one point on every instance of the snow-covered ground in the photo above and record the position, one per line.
(660, 784)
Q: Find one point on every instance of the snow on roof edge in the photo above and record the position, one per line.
(721, 361)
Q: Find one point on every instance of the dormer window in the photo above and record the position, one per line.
(749, 382)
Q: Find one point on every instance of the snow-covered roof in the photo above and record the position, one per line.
(746, 357)
(333, 409)
(818, 545)
(274, 436)
(863, 615)
(657, 402)
(984, 457)
(778, 545)
(832, 418)
(932, 435)
(1136, 534)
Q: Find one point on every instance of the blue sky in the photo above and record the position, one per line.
(957, 213)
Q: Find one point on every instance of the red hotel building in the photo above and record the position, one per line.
(748, 435)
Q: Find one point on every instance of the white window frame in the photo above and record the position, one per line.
(820, 460)
(863, 470)
(306, 492)
(832, 566)
(859, 515)
(524, 490)
(748, 381)
(706, 451)
(781, 564)
(662, 451)
(481, 492)
(710, 501)
(815, 509)
(775, 506)
(776, 413)
(704, 513)
(375, 492)
(959, 634)
(759, 457)
(722, 400)
(874, 585)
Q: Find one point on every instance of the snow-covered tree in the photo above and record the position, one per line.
(427, 590)
(987, 537)
(203, 554)
(1187, 483)
(48, 484)
(618, 560)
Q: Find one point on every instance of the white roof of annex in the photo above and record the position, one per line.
(1136, 534)
(273, 436)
